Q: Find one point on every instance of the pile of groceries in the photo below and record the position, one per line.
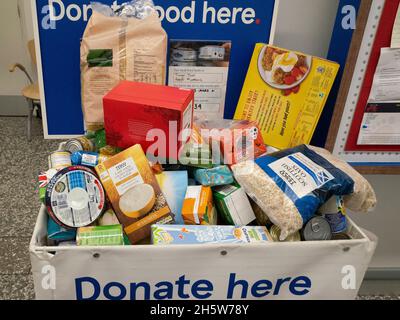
(150, 171)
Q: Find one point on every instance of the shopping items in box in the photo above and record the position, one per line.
(134, 192)
(157, 117)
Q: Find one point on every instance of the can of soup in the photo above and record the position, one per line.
(276, 233)
(79, 144)
(317, 229)
(335, 213)
(100, 236)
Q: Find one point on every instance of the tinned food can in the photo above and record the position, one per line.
(79, 144)
(275, 232)
(335, 213)
(100, 236)
(59, 160)
(317, 229)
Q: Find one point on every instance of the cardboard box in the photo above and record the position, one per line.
(285, 92)
(198, 207)
(233, 205)
(180, 235)
(132, 109)
(134, 192)
(99, 273)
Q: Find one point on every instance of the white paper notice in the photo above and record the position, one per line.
(386, 85)
(209, 84)
(381, 121)
(396, 32)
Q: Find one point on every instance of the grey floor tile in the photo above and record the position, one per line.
(16, 287)
(14, 253)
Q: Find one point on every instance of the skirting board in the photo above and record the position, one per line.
(13, 106)
(381, 282)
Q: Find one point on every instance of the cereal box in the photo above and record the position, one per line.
(134, 192)
(285, 92)
(181, 235)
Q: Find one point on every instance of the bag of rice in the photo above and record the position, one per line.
(290, 185)
(126, 44)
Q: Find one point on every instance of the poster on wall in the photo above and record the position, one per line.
(234, 26)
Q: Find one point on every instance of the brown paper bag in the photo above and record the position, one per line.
(114, 49)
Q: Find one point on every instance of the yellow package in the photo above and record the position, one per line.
(134, 193)
(285, 92)
(198, 207)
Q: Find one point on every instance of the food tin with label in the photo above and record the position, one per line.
(59, 160)
(79, 144)
(335, 213)
(75, 197)
(100, 236)
(317, 229)
(184, 55)
(276, 233)
(212, 53)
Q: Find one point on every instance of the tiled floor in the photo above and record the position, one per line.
(20, 163)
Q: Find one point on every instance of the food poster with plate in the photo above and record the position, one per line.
(285, 92)
(202, 66)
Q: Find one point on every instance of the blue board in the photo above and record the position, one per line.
(338, 51)
(60, 48)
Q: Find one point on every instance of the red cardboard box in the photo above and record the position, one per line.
(132, 109)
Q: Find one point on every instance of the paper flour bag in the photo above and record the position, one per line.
(126, 44)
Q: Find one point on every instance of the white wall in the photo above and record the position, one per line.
(306, 25)
(13, 48)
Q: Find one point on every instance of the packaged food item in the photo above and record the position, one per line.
(317, 229)
(109, 150)
(174, 184)
(44, 179)
(261, 216)
(217, 176)
(109, 218)
(239, 140)
(125, 44)
(132, 110)
(196, 155)
(134, 192)
(100, 236)
(363, 197)
(186, 235)
(75, 197)
(285, 92)
(88, 159)
(79, 144)
(59, 160)
(275, 233)
(335, 213)
(57, 233)
(291, 185)
(198, 207)
(233, 204)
